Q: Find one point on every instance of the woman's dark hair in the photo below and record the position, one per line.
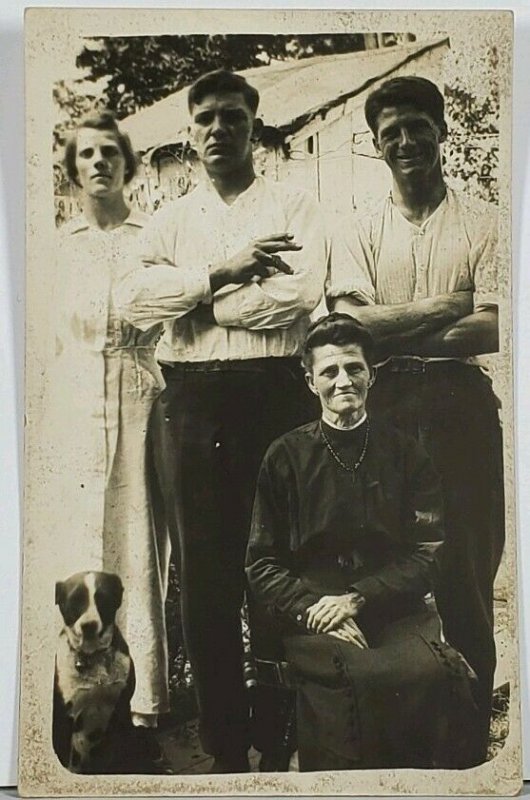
(410, 90)
(104, 121)
(222, 81)
(338, 329)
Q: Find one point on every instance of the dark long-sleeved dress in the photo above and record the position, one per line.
(406, 701)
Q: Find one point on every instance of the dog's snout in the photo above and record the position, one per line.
(89, 629)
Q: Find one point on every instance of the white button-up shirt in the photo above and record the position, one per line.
(267, 317)
(382, 258)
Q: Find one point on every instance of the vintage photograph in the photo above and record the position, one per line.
(269, 516)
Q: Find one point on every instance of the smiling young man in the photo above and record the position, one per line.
(234, 270)
(420, 271)
(347, 521)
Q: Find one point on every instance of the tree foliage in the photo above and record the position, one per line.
(72, 104)
(126, 74)
(472, 150)
(142, 70)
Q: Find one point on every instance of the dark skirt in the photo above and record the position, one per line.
(406, 701)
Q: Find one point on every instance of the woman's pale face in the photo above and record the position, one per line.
(340, 377)
(100, 162)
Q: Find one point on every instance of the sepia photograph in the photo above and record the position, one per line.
(269, 539)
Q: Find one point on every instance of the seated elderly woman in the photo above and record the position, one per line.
(347, 521)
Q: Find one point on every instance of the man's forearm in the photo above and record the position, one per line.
(420, 318)
(472, 335)
(219, 277)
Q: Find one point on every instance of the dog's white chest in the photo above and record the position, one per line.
(110, 668)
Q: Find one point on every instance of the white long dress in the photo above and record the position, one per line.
(101, 481)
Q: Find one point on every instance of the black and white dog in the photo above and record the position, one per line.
(94, 679)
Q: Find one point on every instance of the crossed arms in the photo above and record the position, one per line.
(440, 326)
(377, 264)
(275, 279)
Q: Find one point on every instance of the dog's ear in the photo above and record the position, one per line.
(60, 591)
(116, 589)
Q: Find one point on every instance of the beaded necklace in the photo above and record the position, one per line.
(351, 468)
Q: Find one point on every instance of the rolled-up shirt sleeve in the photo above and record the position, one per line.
(411, 574)
(279, 300)
(152, 291)
(351, 262)
(158, 293)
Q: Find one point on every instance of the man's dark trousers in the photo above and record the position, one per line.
(220, 419)
(451, 409)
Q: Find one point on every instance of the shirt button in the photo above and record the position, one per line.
(299, 618)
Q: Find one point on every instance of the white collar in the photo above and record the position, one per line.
(353, 427)
(135, 218)
(209, 191)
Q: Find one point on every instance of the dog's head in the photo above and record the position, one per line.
(88, 602)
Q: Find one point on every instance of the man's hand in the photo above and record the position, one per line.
(350, 632)
(331, 610)
(255, 260)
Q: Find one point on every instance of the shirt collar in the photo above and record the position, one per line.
(136, 218)
(207, 189)
(337, 428)
(445, 202)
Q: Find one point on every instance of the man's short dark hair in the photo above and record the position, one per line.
(410, 90)
(222, 81)
(338, 329)
(104, 121)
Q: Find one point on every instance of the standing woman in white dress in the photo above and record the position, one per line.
(104, 382)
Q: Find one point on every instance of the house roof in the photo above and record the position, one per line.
(291, 92)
